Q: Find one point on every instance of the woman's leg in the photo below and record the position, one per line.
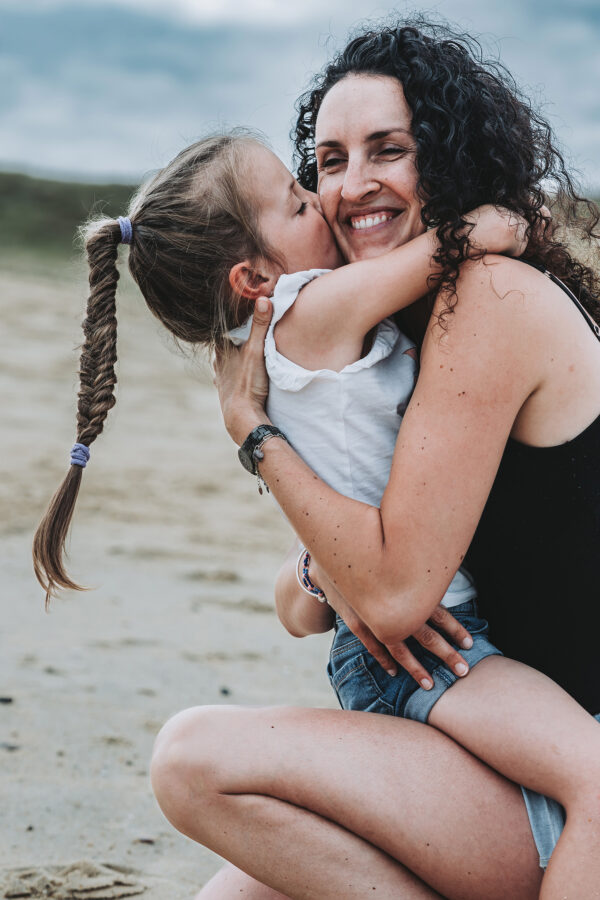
(525, 726)
(230, 883)
(326, 803)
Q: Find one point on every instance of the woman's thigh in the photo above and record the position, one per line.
(230, 882)
(401, 785)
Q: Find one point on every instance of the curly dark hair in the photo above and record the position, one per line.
(478, 139)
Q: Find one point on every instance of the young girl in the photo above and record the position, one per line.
(224, 224)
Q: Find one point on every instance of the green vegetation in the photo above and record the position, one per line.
(39, 218)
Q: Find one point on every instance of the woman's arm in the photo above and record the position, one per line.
(302, 615)
(342, 306)
(393, 565)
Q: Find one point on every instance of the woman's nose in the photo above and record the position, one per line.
(358, 182)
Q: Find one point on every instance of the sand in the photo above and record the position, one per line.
(181, 553)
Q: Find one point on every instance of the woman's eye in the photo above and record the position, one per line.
(302, 209)
(330, 162)
(392, 151)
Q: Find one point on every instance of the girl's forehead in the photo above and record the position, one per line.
(263, 161)
(267, 181)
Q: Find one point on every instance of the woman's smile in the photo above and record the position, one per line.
(368, 219)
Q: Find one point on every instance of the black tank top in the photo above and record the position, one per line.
(536, 557)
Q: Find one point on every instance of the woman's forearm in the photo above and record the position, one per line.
(346, 537)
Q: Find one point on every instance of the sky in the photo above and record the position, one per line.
(112, 90)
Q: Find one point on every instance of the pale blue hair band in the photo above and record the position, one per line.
(126, 229)
(80, 455)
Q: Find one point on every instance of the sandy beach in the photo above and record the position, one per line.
(181, 552)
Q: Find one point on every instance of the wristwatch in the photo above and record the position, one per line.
(250, 452)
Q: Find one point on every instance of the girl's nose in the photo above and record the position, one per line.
(314, 201)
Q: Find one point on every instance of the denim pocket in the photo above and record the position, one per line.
(357, 687)
(472, 622)
(361, 683)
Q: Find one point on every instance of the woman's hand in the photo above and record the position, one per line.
(427, 636)
(241, 378)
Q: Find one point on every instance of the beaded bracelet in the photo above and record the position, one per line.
(304, 580)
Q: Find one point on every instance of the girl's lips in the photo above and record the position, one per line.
(369, 220)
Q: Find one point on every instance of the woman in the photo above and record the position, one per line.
(506, 407)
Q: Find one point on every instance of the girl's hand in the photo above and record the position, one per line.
(497, 230)
(241, 378)
(427, 636)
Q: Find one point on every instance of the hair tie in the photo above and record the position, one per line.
(126, 229)
(80, 455)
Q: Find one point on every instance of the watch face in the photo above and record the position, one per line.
(246, 460)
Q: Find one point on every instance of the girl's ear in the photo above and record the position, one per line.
(252, 280)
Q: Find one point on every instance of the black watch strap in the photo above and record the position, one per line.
(250, 452)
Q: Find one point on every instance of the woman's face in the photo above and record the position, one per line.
(366, 163)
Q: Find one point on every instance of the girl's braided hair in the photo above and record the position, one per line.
(478, 141)
(191, 223)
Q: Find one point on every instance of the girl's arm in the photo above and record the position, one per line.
(394, 564)
(336, 311)
(298, 612)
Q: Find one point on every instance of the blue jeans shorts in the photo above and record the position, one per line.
(361, 683)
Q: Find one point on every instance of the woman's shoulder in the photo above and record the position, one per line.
(512, 331)
(496, 274)
(499, 293)
(493, 329)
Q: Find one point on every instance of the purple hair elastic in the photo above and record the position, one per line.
(126, 229)
(80, 455)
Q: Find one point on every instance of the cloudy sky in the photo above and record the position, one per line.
(114, 88)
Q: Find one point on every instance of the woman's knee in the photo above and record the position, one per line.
(185, 760)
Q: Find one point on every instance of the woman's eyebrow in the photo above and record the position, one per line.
(374, 136)
(377, 135)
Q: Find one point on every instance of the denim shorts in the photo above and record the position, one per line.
(361, 683)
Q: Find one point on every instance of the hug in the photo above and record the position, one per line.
(418, 385)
